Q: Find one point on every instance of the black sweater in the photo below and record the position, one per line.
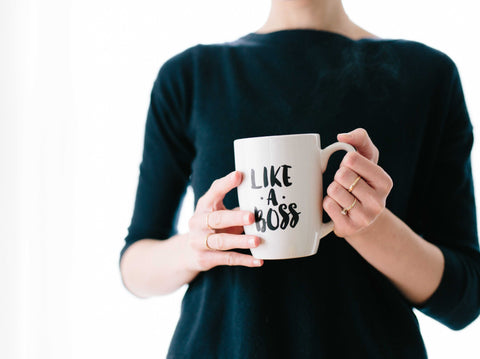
(409, 98)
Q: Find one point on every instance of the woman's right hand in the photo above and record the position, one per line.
(214, 230)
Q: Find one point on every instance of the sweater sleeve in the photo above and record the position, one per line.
(167, 155)
(449, 216)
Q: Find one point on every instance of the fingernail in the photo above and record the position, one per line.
(257, 262)
(246, 218)
(237, 174)
(344, 134)
(252, 242)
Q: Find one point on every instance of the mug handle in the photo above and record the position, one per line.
(324, 157)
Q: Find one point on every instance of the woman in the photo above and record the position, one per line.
(407, 235)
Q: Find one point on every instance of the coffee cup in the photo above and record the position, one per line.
(282, 186)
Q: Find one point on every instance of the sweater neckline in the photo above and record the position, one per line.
(301, 34)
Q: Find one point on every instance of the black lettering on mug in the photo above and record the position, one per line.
(259, 221)
(252, 178)
(272, 219)
(272, 197)
(273, 176)
(286, 177)
(295, 214)
(273, 180)
(285, 215)
(276, 217)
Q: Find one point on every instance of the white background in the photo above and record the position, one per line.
(75, 78)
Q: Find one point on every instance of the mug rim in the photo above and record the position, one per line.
(276, 136)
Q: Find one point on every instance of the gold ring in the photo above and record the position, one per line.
(208, 225)
(206, 242)
(346, 210)
(350, 189)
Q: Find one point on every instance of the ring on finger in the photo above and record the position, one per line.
(346, 210)
(352, 186)
(206, 241)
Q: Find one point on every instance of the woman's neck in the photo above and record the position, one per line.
(312, 14)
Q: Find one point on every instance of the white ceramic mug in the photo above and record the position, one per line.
(282, 185)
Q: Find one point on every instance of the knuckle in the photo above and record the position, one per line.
(351, 158)
(325, 203)
(329, 190)
(341, 175)
(215, 218)
(202, 260)
(215, 184)
(376, 207)
(362, 132)
(328, 203)
(333, 189)
(229, 259)
(389, 182)
(218, 241)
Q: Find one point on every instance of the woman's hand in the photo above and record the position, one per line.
(360, 188)
(213, 229)
(412, 264)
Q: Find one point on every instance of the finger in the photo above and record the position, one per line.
(226, 241)
(337, 192)
(228, 218)
(206, 221)
(362, 190)
(345, 224)
(234, 229)
(372, 201)
(360, 139)
(359, 215)
(230, 258)
(374, 175)
(218, 189)
(207, 259)
(340, 221)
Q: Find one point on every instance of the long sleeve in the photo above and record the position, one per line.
(334, 304)
(167, 154)
(448, 214)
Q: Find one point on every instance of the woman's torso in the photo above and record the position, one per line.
(332, 304)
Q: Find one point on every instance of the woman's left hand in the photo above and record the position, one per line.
(365, 200)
